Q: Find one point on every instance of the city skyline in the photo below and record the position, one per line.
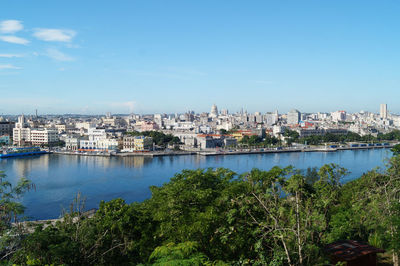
(155, 57)
(222, 110)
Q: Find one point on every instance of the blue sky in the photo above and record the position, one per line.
(171, 56)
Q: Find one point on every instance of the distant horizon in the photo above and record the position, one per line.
(196, 112)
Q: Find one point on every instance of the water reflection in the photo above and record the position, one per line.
(59, 177)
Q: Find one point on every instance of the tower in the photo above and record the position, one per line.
(383, 111)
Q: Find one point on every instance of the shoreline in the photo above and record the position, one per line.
(224, 152)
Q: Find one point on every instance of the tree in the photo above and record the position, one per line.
(396, 150)
(10, 210)
(181, 254)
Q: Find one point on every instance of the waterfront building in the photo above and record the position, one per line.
(21, 133)
(88, 145)
(293, 117)
(43, 136)
(97, 134)
(206, 142)
(137, 143)
(72, 143)
(107, 144)
(239, 134)
(229, 142)
(306, 132)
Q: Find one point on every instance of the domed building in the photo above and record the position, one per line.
(214, 111)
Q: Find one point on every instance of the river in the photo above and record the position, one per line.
(58, 178)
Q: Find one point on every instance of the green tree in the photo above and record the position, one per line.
(181, 254)
(10, 211)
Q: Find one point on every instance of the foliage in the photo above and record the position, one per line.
(158, 137)
(283, 216)
(396, 150)
(258, 141)
(178, 254)
(10, 210)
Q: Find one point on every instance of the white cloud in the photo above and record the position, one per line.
(14, 39)
(54, 35)
(9, 66)
(58, 55)
(10, 26)
(10, 55)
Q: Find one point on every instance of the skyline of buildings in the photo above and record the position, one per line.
(194, 130)
(382, 111)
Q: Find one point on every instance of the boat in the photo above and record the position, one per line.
(19, 152)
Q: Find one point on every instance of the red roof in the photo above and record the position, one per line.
(348, 250)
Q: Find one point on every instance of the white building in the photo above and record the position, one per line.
(293, 117)
(36, 136)
(214, 111)
(339, 116)
(383, 111)
(44, 136)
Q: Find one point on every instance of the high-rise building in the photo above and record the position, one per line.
(339, 116)
(293, 117)
(383, 111)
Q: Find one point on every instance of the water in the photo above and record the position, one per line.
(58, 178)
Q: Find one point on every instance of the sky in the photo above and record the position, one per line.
(127, 56)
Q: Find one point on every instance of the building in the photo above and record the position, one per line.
(107, 144)
(271, 119)
(306, 132)
(214, 111)
(87, 145)
(352, 253)
(137, 143)
(43, 136)
(149, 126)
(293, 117)
(383, 111)
(6, 128)
(72, 143)
(339, 116)
(23, 135)
(5, 140)
(63, 128)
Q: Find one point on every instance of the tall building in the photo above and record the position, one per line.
(339, 116)
(293, 117)
(383, 112)
(214, 111)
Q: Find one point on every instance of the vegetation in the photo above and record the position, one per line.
(293, 136)
(10, 210)
(159, 138)
(258, 141)
(283, 216)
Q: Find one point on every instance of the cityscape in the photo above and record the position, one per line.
(190, 133)
(207, 131)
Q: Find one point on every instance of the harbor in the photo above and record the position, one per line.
(58, 177)
(29, 151)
